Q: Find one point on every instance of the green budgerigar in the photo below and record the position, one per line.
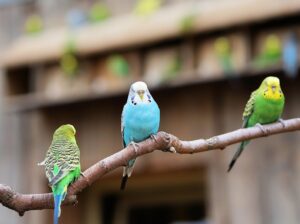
(62, 164)
(33, 24)
(270, 54)
(147, 7)
(264, 106)
(223, 50)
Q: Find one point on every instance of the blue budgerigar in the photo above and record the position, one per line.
(140, 120)
(290, 55)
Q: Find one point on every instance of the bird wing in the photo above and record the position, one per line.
(249, 108)
(62, 157)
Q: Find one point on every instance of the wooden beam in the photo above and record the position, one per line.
(131, 31)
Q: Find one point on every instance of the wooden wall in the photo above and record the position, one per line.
(262, 188)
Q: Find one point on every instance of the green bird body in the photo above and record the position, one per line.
(99, 12)
(264, 106)
(271, 53)
(223, 50)
(62, 164)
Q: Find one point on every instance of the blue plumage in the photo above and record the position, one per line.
(140, 119)
(290, 55)
(57, 202)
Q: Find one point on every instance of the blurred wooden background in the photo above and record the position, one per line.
(198, 58)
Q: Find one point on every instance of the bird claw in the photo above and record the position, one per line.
(153, 137)
(135, 146)
(171, 149)
(85, 178)
(282, 122)
(75, 202)
(262, 128)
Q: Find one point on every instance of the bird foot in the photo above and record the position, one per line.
(135, 146)
(171, 149)
(263, 129)
(282, 122)
(153, 137)
(85, 178)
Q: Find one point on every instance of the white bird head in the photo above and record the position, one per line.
(139, 93)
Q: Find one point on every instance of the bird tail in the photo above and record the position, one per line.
(237, 154)
(57, 202)
(123, 182)
(127, 170)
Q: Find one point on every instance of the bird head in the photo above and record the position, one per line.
(273, 45)
(271, 88)
(139, 93)
(222, 46)
(66, 130)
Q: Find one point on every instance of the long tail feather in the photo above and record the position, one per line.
(123, 182)
(237, 155)
(127, 171)
(57, 202)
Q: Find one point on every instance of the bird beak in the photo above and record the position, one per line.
(141, 94)
(273, 88)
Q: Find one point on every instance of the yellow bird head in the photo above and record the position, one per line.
(222, 46)
(271, 88)
(66, 130)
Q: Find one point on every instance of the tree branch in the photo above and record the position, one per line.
(162, 141)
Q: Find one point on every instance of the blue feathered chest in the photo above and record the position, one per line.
(140, 121)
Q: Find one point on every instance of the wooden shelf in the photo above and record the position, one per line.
(30, 102)
(131, 31)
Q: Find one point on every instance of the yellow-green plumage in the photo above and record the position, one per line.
(62, 164)
(264, 106)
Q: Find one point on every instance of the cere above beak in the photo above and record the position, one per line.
(273, 88)
(141, 94)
